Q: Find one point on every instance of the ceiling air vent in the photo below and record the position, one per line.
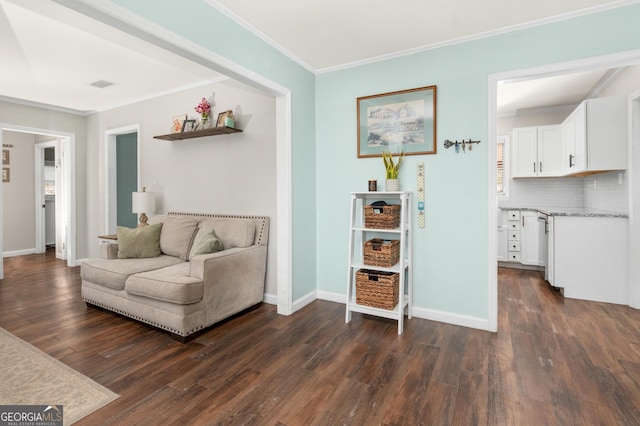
(101, 84)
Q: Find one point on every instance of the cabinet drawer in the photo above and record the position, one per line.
(513, 214)
(514, 256)
(514, 235)
(513, 226)
(514, 245)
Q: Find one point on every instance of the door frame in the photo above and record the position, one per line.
(40, 243)
(110, 179)
(614, 60)
(634, 199)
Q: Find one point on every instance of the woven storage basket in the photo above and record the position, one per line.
(379, 252)
(382, 217)
(377, 289)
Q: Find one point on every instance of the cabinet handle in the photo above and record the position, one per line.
(570, 160)
(534, 167)
(541, 167)
(523, 221)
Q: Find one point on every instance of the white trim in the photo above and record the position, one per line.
(633, 174)
(614, 60)
(40, 227)
(303, 301)
(110, 174)
(424, 313)
(492, 237)
(482, 35)
(135, 25)
(256, 32)
(271, 299)
(41, 105)
(22, 252)
(449, 318)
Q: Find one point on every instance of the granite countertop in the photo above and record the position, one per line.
(570, 211)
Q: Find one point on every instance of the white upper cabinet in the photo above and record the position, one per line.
(594, 136)
(537, 151)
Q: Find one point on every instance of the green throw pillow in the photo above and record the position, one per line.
(136, 243)
(205, 243)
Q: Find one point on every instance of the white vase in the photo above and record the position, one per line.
(392, 185)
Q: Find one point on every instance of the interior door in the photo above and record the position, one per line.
(126, 177)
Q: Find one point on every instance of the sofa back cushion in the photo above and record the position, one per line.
(177, 235)
(231, 232)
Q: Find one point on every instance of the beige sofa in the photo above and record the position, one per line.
(178, 292)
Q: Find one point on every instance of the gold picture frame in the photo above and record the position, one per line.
(6, 175)
(402, 121)
(6, 158)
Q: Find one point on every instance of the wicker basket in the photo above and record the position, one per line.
(377, 289)
(379, 252)
(382, 217)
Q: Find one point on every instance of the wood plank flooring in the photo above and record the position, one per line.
(554, 361)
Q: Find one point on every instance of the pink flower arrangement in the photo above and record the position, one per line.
(203, 108)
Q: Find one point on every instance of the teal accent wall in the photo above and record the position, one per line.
(127, 178)
(450, 258)
(202, 24)
(450, 254)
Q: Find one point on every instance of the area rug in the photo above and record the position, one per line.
(29, 376)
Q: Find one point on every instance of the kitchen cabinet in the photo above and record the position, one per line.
(537, 152)
(588, 258)
(594, 137)
(513, 236)
(533, 239)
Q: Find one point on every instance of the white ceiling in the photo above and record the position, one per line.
(51, 54)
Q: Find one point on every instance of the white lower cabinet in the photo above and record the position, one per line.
(589, 258)
(533, 248)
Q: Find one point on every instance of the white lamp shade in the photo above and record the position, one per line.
(143, 202)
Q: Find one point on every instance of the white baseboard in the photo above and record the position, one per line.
(424, 313)
(271, 299)
(303, 301)
(14, 253)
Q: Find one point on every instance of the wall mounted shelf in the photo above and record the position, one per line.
(214, 131)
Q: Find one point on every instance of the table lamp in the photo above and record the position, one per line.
(143, 203)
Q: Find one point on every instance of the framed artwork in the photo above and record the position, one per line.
(5, 157)
(397, 121)
(189, 125)
(6, 174)
(177, 122)
(221, 117)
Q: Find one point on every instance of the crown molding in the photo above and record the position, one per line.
(42, 105)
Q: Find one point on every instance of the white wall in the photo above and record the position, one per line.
(19, 195)
(231, 174)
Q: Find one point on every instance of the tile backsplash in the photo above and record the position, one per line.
(606, 194)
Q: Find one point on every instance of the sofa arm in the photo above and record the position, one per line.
(233, 280)
(109, 250)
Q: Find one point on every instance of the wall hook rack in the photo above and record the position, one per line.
(464, 144)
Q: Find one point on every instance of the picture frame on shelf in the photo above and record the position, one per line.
(189, 125)
(6, 158)
(177, 123)
(6, 175)
(221, 117)
(401, 121)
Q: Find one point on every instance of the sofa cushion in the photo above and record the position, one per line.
(205, 243)
(171, 284)
(177, 235)
(134, 243)
(231, 232)
(113, 273)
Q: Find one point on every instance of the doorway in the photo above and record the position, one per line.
(49, 196)
(122, 177)
(608, 61)
(66, 201)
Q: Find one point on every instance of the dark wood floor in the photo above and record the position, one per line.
(553, 361)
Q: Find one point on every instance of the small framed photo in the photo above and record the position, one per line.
(189, 125)
(221, 117)
(177, 122)
(6, 175)
(5, 157)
